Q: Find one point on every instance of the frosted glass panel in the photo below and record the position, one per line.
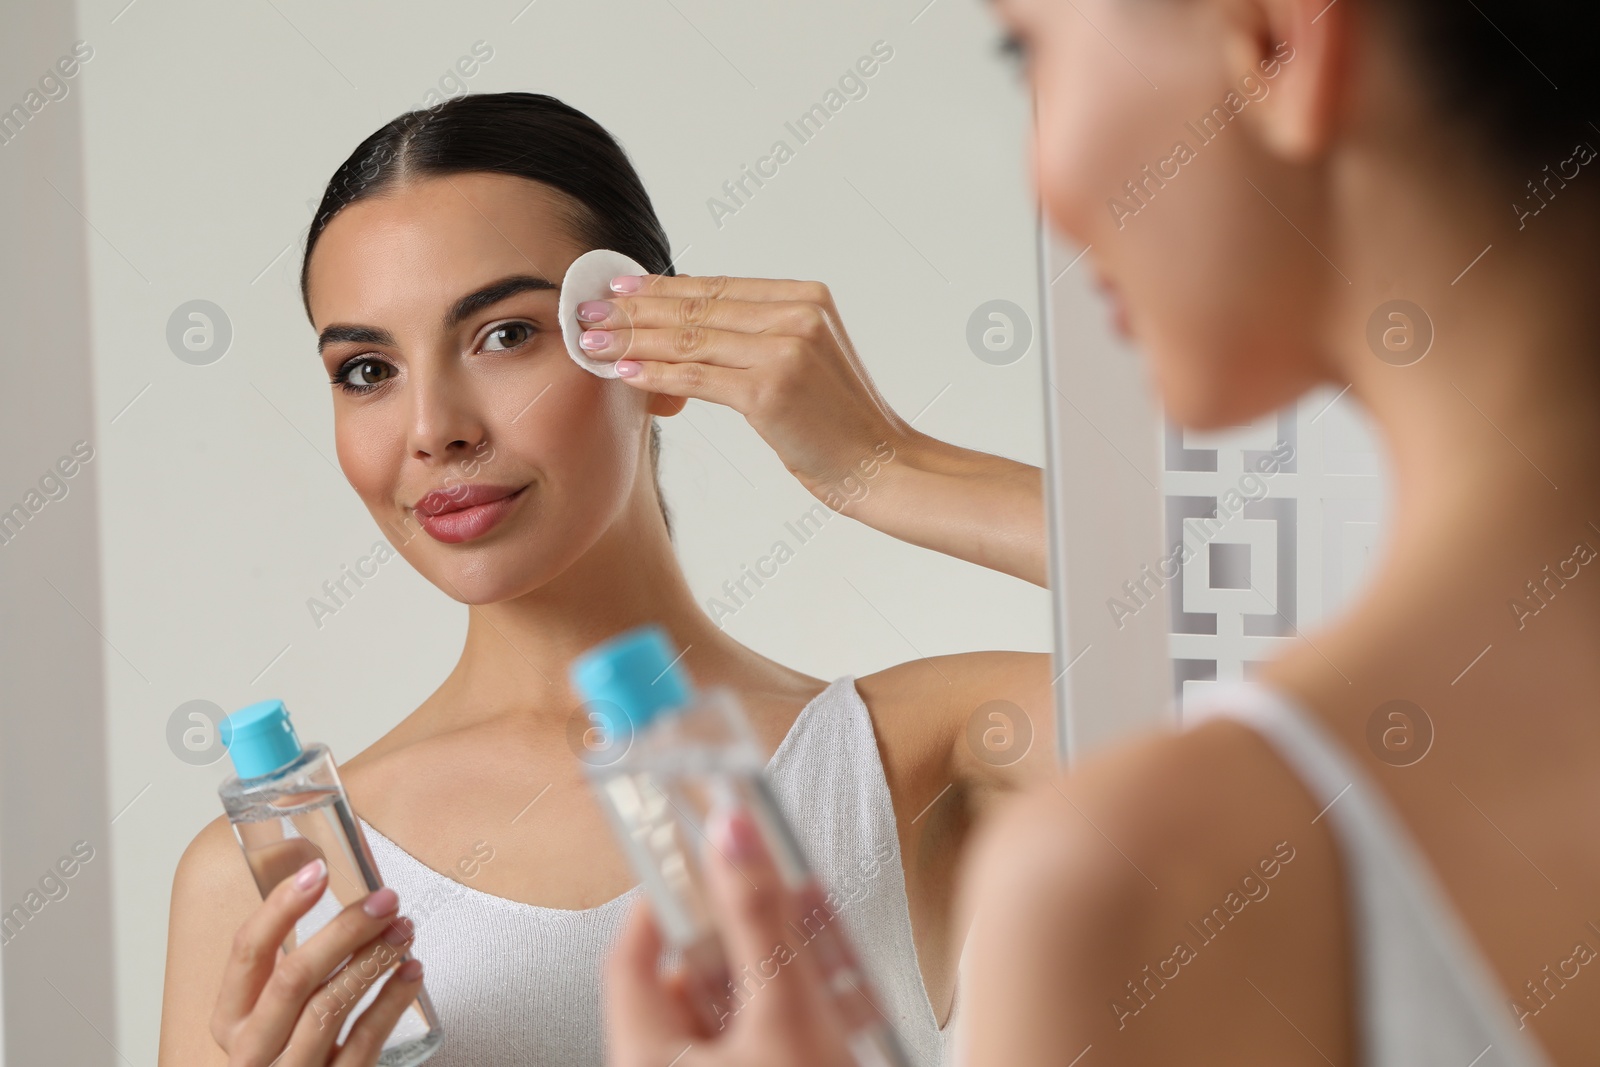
(1279, 522)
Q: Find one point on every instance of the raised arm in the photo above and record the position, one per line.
(975, 506)
(776, 351)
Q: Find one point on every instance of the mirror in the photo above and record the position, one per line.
(1204, 554)
(207, 550)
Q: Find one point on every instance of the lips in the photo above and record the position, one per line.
(461, 497)
(465, 512)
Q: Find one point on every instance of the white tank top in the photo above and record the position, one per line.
(1425, 996)
(516, 985)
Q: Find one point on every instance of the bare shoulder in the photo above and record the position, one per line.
(1095, 893)
(925, 706)
(212, 888)
(1221, 788)
(213, 869)
(212, 896)
(212, 856)
(1003, 673)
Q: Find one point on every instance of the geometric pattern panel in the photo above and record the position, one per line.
(1271, 527)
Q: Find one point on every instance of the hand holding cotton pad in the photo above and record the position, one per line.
(589, 278)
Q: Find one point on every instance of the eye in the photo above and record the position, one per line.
(510, 334)
(362, 366)
(1012, 49)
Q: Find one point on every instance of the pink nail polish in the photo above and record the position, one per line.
(594, 339)
(381, 902)
(626, 368)
(593, 310)
(734, 832)
(399, 931)
(310, 874)
(626, 283)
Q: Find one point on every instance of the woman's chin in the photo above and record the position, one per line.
(1195, 403)
(486, 580)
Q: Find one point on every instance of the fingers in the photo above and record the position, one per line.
(295, 976)
(794, 317)
(748, 891)
(701, 344)
(719, 385)
(332, 1003)
(372, 1028)
(835, 961)
(721, 287)
(644, 1010)
(713, 330)
(631, 967)
(680, 336)
(782, 936)
(256, 946)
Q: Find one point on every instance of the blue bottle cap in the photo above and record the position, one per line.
(635, 674)
(260, 739)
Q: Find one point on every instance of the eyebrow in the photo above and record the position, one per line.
(492, 294)
(463, 309)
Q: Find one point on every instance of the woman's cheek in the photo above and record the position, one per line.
(1081, 144)
(571, 415)
(1057, 168)
(369, 455)
(586, 427)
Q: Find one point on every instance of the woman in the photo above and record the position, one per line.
(1297, 877)
(522, 485)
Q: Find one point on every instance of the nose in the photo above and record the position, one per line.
(445, 424)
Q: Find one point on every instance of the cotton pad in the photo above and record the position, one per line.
(589, 278)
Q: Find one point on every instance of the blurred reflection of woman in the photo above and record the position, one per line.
(1381, 849)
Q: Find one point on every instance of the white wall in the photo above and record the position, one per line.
(209, 129)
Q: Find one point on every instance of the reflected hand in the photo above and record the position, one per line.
(788, 1021)
(774, 350)
(286, 1008)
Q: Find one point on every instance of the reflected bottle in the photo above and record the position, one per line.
(288, 808)
(667, 758)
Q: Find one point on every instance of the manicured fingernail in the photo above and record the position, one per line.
(593, 310)
(399, 931)
(409, 971)
(627, 283)
(381, 902)
(626, 368)
(735, 834)
(595, 339)
(310, 874)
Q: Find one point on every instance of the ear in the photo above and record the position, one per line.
(664, 405)
(1301, 49)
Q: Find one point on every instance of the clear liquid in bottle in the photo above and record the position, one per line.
(288, 807)
(677, 756)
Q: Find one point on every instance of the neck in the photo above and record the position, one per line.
(517, 653)
(1492, 438)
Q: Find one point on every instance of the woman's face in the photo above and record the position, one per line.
(441, 296)
(1146, 149)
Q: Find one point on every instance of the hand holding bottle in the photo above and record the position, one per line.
(305, 847)
(690, 770)
(792, 1021)
(286, 1009)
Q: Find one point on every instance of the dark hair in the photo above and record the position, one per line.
(526, 135)
(1521, 72)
